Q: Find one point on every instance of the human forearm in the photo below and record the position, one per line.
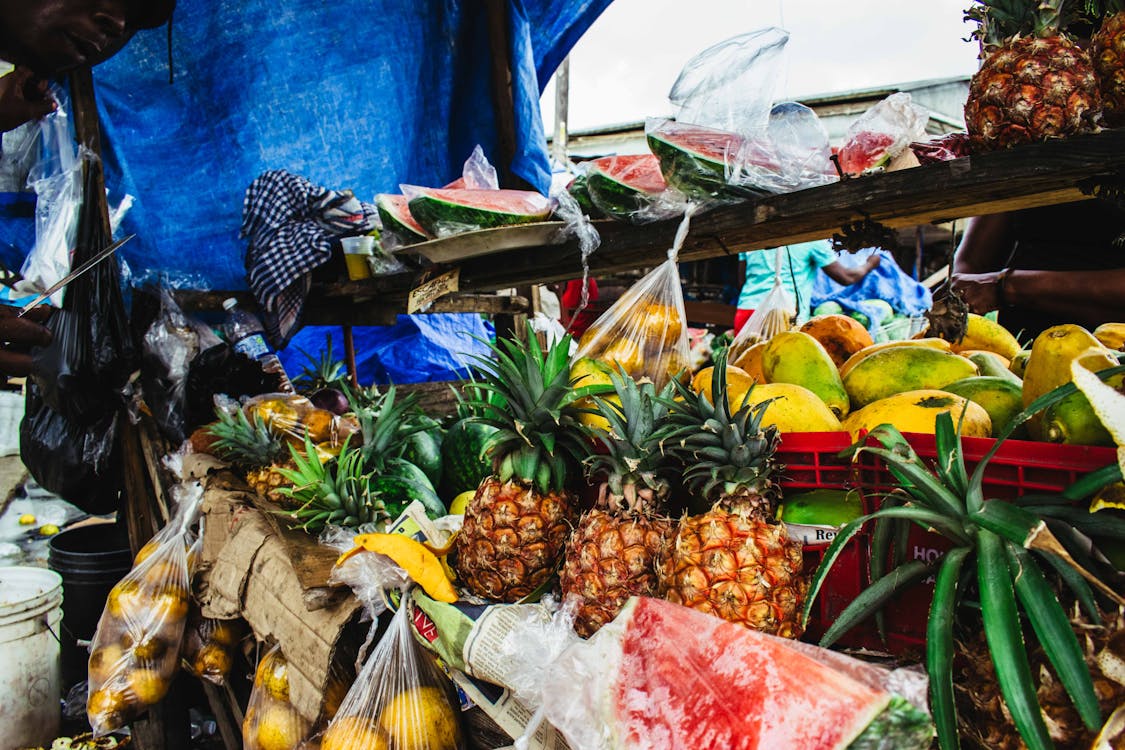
(1084, 297)
(985, 246)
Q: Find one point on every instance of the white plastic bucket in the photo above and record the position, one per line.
(30, 613)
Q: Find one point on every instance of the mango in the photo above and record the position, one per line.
(904, 368)
(840, 335)
(982, 333)
(917, 411)
(738, 382)
(1048, 367)
(751, 361)
(993, 365)
(1000, 397)
(1112, 335)
(855, 359)
(799, 359)
(794, 409)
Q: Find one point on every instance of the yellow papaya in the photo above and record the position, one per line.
(1019, 363)
(992, 364)
(917, 411)
(797, 358)
(1074, 421)
(904, 368)
(999, 396)
(586, 371)
(1112, 335)
(855, 359)
(1048, 367)
(738, 382)
(794, 408)
(982, 333)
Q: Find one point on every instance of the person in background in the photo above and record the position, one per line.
(40, 41)
(800, 263)
(1046, 266)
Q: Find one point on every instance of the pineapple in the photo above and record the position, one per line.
(1035, 83)
(735, 561)
(323, 371)
(1107, 50)
(251, 445)
(616, 548)
(336, 491)
(521, 515)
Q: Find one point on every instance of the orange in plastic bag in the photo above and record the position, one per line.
(208, 651)
(271, 722)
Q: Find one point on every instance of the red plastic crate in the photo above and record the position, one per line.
(1019, 467)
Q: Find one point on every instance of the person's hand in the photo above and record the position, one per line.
(873, 261)
(23, 98)
(979, 290)
(18, 335)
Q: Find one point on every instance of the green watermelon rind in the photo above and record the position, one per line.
(692, 173)
(439, 216)
(615, 198)
(579, 190)
(463, 467)
(405, 233)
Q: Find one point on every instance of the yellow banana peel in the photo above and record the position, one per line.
(421, 565)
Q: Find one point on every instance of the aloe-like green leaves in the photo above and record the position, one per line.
(950, 459)
(1007, 520)
(1005, 641)
(939, 647)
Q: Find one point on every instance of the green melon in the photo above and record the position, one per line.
(397, 221)
(622, 186)
(444, 212)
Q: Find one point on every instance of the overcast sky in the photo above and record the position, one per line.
(622, 69)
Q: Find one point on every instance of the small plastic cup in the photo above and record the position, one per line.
(357, 254)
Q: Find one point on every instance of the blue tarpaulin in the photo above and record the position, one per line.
(886, 282)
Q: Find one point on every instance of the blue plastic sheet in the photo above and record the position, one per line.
(886, 282)
(418, 348)
(360, 94)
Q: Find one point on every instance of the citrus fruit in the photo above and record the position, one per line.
(280, 727)
(421, 719)
(353, 733)
(27, 519)
(457, 507)
(48, 529)
(147, 685)
(103, 662)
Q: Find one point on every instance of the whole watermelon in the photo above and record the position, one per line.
(464, 468)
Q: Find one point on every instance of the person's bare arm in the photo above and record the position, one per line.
(1088, 298)
(985, 246)
(847, 275)
(23, 98)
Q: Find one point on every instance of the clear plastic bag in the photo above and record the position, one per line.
(632, 188)
(777, 312)
(169, 346)
(800, 145)
(208, 650)
(135, 651)
(443, 212)
(294, 417)
(882, 133)
(271, 722)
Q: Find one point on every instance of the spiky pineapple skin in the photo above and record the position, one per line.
(268, 482)
(737, 567)
(1032, 89)
(610, 558)
(1107, 50)
(512, 538)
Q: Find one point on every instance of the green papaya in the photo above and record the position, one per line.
(1000, 397)
(901, 369)
(1074, 422)
(992, 365)
(798, 359)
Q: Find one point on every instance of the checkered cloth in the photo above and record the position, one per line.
(292, 226)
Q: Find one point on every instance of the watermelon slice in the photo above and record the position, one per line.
(442, 212)
(579, 190)
(665, 676)
(622, 186)
(397, 221)
(708, 163)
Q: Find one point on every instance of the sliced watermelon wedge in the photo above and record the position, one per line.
(580, 191)
(442, 212)
(665, 676)
(622, 186)
(397, 221)
(706, 163)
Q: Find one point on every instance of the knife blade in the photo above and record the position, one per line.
(102, 255)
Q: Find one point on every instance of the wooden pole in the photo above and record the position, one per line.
(503, 105)
(349, 355)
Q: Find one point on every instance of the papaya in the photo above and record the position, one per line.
(1112, 335)
(738, 382)
(1048, 367)
(992, 364)
(855, 359)
(982, 333)
(793, 408)
(1019, 363)
(904, 368)
(999, 396)
(751, 361)
(840, 335)
(1074, 421)
(797, 358)
(584, 372)
(917, 411)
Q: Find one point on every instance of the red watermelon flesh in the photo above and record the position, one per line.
(442, 211)
(396, 218)
(697, 159)
(625, 186)
(458, 184)
(638, 171)
(690, 680)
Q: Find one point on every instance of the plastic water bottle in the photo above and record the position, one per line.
(245, 332)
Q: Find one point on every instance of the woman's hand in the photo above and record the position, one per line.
(980, 291)
(23, 98)
(18, 335)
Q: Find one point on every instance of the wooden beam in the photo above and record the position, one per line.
(503, 105)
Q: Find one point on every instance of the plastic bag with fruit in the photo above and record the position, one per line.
(208, 651)
(271, 722)
(882, 133)
(135, 651)
(644, 332)
(401, 699)
(776, 313)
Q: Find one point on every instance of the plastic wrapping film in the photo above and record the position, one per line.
(271, 722)
(632, 188)
(645, 331)
(444, 212)
(168, 347)
(777, 312)
(881, 133)
(209, 644)
(576, 218)
(295, 417)
(135, 650)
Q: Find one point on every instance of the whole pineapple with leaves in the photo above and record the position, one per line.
(735, 561)
(1035, 82)
(617, 547)
(254, 447)
(334, 490)
(1107, 51)
(521, 516)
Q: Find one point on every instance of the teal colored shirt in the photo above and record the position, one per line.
(807, 258)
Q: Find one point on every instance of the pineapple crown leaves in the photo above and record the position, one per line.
(386, 425)
(533, 406)
(733, 452)
(321, 371)
(472, 400)
(245, 441)
(995, 540)
(641, 453)
(337, 491)
(1001, 20)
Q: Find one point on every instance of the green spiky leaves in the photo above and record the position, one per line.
(337, 491)
(245, 442)
(321, 371)
(1001, 20)
(531, 399)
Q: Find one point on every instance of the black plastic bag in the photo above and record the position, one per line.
(221, 369)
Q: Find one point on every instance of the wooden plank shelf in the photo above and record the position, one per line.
(1022, 177)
